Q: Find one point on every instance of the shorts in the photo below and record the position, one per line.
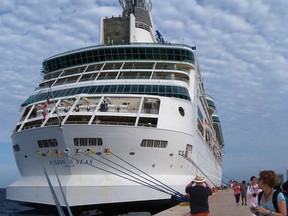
(243, 195)
(201, 214)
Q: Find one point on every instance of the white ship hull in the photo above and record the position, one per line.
(86, 185)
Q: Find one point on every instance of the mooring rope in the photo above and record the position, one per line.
(149, 180)
(193, 162)
(162, 184)
(132, 178)
(62, 192)
(56, 200)
(58, 206)
(122, 172)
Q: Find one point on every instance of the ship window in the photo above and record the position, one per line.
(134, 89)
(154, 143)
(200, 115)
(148, 89)
(106, 88)
(105, 54)
(47, 143)
(88, 142)
(120, 88)
(141, 89)
(94, 67)
(70, 92)
(181, 111)
(92, 89)
(188, 152)
(189, 147)
(155, 89)
(168, 89)
(113, 89)
(52, 75)
(60, 94)
(80, 90)
(87, 77)
(87, 89)
(73, 71)
(150, 106)
(127, 88)
(177, 91)
(112, 66)
(115, 120)
(200, 127)
(16, 148)
(147, 122)
(78, 119)
(128, 65)
(162, 89)
(100, 89)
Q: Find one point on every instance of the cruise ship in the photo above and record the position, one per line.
(127, 120)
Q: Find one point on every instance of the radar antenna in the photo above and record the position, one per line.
(128, 5)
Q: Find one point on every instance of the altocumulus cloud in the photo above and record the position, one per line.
(241, 47)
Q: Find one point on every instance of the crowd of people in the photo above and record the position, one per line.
(263, 195)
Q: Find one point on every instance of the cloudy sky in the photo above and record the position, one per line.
(241, 46)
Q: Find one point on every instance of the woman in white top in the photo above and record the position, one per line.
(252, 193)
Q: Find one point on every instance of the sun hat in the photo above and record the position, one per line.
(199, 179)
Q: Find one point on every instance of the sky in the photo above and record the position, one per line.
(241, 46)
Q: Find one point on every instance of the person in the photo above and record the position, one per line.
(237, 190)
(285, 192)
(199, 191)
(267, 180)
(252, 193)
(244, 193)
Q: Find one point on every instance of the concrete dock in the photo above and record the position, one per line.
(222, 203)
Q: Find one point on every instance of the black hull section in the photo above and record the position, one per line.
(152, 207)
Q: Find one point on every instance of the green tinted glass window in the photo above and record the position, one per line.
(178, 92)
(128, 53)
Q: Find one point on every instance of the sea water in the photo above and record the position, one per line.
(11, 208)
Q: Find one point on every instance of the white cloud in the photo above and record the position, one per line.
(241, 47)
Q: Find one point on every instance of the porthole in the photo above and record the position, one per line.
(181, 111)
(16, 148)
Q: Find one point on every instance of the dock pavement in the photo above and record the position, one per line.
(221, 203)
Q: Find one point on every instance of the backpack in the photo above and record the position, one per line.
(274, 199)
(286, 199)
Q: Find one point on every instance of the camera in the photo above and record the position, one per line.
(254, 194)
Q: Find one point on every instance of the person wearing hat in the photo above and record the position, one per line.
(199, 191)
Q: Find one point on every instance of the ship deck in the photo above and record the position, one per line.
(221, 203)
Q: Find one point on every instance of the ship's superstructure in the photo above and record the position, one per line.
(127, 115)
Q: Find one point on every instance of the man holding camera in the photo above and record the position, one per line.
(252, 193)
(199, 190)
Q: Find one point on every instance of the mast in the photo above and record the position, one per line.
(130, 5)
